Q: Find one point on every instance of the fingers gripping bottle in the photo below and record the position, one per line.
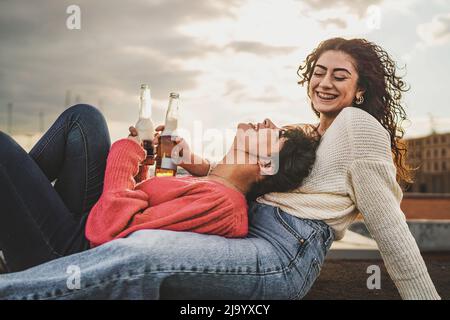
(145, 126)
(165, 165)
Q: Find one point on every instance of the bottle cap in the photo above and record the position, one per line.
(174, 95)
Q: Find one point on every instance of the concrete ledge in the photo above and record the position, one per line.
(430, 235)
(353, 254)
(347, 279)
(354, 246)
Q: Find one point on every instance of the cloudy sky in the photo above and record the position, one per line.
(230, 60)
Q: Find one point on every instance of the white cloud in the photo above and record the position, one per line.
(436, 32)
(337, 22)
(259, 48)
(358, 7)
(431, 34)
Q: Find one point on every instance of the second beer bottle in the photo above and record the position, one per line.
(165, 167)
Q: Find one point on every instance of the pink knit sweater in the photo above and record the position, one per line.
(171, 203)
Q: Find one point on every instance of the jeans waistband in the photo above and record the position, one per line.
(323, 229)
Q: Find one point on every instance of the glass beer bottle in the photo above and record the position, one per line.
(165, 167)
(145, 126)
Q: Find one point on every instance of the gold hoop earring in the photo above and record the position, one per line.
(360, 100)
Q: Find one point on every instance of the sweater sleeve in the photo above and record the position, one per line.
(122, 165)
(119, 202)
(377, 195)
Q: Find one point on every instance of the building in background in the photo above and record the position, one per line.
(431, 155)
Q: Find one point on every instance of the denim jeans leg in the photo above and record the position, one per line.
(34, 221)
(39, 223)
(73, 152)
(271, 263)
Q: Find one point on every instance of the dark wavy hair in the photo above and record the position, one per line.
(377, 75)
(295, 161)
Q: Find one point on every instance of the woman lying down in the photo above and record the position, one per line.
(213, 204)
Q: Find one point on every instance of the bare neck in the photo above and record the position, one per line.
(325, 122)
(239, 177)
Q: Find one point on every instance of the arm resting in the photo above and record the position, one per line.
(377, 196)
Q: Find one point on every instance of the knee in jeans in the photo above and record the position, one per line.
(4, 138)
(86, 110)
(7, 145)
(91, 117)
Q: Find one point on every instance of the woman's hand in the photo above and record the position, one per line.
(158, 131)
(181, 147)
(134, 136)
(195, 165)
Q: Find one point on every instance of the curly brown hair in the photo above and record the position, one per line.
(377, 75)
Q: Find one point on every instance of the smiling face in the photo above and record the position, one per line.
(334, 83)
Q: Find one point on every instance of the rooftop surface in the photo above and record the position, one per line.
(346, 279)
(344, 273)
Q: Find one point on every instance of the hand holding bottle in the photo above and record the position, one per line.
(134, 136)
(195, 165)
(182, 146)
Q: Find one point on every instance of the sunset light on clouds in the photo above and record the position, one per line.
(231, 61)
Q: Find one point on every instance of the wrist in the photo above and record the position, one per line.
(212, 165)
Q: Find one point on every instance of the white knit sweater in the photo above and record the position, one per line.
(354, 171)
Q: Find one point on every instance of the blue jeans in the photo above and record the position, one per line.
(39, 222)
(279, 259)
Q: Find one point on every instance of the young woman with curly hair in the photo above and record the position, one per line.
(356, 93)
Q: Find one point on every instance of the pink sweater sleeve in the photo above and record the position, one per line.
(119, 202)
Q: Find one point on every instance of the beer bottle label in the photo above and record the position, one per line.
(167, 163)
